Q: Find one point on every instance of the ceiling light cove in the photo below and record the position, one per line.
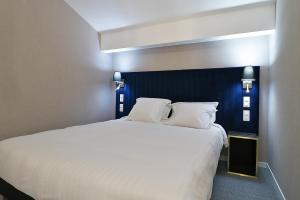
(237, 23)
(226, 37)
(106, 15)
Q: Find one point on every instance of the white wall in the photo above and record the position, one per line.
(52, 74)
(284, 110)
(210, 27)
(227, 53)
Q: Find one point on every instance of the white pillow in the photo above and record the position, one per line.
(212, 114)
(148, 110)
(167, 111)
(193, 115)
(215, 104)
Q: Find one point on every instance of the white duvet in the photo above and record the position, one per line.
(114, 160)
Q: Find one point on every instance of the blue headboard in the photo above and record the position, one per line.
(198, 85)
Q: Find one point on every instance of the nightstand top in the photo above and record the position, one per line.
(242, 135)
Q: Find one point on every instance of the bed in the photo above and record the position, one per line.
(128, 160)
(114, 160)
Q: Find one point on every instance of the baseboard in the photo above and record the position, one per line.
(266, 165)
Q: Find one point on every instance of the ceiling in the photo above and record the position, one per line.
(113, 14)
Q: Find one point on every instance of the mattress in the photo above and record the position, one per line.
(114, 160)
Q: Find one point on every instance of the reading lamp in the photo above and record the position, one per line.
(248, 78)
(118, 80)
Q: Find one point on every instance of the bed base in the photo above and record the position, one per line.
(11, 193)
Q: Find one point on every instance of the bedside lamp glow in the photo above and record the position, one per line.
(248, 78)
(117, 78)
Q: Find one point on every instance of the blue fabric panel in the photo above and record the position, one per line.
(198, 85)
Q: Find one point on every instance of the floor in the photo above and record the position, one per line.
(228, 187)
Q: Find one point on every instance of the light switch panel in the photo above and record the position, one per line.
(246, 115)
(121, 108)
(121, 98)
(246, 102)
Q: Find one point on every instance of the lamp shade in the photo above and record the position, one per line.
(117, 76)
(248, 73)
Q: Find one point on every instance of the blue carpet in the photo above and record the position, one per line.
(229, 187)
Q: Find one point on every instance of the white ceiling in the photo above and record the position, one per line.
(112, 14)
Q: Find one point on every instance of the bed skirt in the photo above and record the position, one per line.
(11, 193)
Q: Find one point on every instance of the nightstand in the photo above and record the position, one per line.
(242, 154)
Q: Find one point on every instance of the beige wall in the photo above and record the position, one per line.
(284, 115)
(52, 74)
(227, 53)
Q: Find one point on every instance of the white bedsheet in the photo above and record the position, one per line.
(114, 160)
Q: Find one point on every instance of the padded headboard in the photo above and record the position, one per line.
(198, 85)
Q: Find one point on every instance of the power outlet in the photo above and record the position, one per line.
(246, 115)
(121, 98)
(246, 102)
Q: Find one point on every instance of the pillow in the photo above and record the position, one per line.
(212, 114)
(167, 111)
(215, 104)
(149, 110)
(193, 115)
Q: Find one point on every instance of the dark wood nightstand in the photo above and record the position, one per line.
(242, 154)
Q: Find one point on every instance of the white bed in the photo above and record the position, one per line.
(114, 160)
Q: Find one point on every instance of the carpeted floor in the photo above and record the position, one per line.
(228, 187)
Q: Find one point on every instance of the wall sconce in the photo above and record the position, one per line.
(248, 78)
(118, 80)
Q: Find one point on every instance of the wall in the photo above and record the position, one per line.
(52, 74)
(227, 53)
(205, 27)
(284, 115)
